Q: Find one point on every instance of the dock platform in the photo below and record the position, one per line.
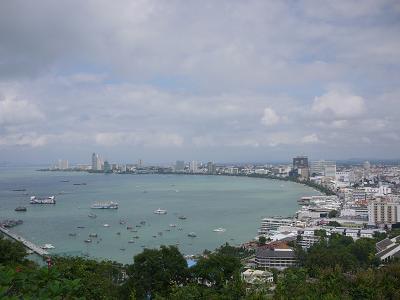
(25, 242)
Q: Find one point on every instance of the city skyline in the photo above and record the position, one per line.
(216, 81)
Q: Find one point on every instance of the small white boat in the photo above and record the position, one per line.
(219, 230)
(48, 246)
(172, 225)
(106, 225)
(160, 211)
(192, 234)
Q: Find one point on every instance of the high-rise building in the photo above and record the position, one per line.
(211, 168)
(97, 163)
(140, 163)
(383, 212)
(94, 161)
(300, 167)
(179, 166)
(193, 166)
(62, 164)
(107, 167)
(325, 168)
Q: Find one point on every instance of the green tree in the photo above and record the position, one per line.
(156, 271)
(334, 224)
(11, 252)
(262, 240)
(333, 214)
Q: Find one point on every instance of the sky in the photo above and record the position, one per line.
(223, 81)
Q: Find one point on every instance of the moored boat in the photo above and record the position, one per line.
(160, 211)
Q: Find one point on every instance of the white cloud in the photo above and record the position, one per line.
(29, 139)
(15, 112)
(151, 139)
(339, 104)
(310, 139)
(270, 117)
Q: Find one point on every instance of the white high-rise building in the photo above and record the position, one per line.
(325, 168)
(97, 162)
(62, 164)
(193, 166)
(383, 212)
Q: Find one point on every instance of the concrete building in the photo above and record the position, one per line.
(273, 223)
(62, 164)
(382, 212)
(97, 163)
(211, 168)
(193, 167)
(251, 276)
(179, 166)
(277, 255)
(325, 168)
(301, 167)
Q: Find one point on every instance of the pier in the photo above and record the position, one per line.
(26, 243)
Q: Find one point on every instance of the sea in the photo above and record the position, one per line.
(236, 204)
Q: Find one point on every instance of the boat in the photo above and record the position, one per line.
(122, 249)
(72, 234)
(192, 234)
(106, 225)
(19, 190)
(219, 230)
(160, 211)
(83, 183)
(64, 180)
(182, 217)
(129, 227)
(92, 215)
(48, 200)
(47, 246)
(143, 222)
(11, 223)
(80, 227)
(122, 222)
(88, 241)
(20, 208)
(131, 241)
(105, 205)
(118, 233)
(172, 225)
(92, 234)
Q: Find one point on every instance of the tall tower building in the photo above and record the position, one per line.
(94, 161)
(193, 167)
(300, 167)
(179, 166)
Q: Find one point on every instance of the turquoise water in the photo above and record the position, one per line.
(209, 202)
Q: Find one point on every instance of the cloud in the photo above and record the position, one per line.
(339, 104)
(20, 140)
(310, 139)
(270, 117)
(13, 111)
(111, 139)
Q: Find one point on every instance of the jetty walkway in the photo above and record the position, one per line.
(26, 243)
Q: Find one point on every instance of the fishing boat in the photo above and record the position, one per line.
(160, 211)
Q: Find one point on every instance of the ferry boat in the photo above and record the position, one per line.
(219, 230)
(48, 246)
(105, 205)
(48, 200)
(160, 211)
(20, 208)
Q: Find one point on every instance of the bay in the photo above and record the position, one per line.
(234, 203)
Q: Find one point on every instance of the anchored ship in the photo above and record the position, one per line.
(48, 200)
(105, 205)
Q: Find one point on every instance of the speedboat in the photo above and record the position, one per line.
(219, 230)
(131, 241)
(106, 225)
(160, 211)
(182, 217)
(192, 234)
(88, 241)
(92, 215)
(172, 225)
(48, 246)
(92, 234)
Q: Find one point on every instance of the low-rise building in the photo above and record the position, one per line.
(277, 255)
(252, 276)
